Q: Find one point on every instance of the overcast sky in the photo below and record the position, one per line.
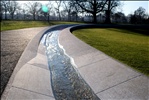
(128, 7)
(131, 6)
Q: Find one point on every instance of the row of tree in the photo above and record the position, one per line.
(139, 16)
(73, 10)
(8, 7)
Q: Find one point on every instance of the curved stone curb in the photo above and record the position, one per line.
(107, 77)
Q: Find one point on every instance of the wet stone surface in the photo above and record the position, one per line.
(67, 84)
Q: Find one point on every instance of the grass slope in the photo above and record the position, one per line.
(128, 47)
(11, 25)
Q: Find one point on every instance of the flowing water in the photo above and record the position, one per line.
(67, 84)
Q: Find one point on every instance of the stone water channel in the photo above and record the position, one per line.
(67, 83)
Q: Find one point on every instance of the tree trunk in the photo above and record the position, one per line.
(48, 17)
(108, 13)
(94, 18)
(5, 14)
(94, 13)
(69, 16)
(59, 16)
(24, 17)
(33, 16)
(12, 16)
(1, 17)
(17, 16)
(107, 21)
(76, 17)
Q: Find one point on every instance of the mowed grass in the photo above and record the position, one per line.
(12, 25)
(126, 46)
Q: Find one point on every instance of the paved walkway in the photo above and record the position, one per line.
(13, 43)
(108, 78)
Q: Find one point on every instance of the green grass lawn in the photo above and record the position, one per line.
(11, 25)
(128, 47)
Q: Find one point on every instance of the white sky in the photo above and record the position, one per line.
(128, 7)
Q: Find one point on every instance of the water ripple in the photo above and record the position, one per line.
(67, 83)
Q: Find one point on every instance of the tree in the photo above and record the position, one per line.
(76, 11)
(92, 6)
(49, 5)
(139, 16)
(67, 8)
(140, 12)
(4, 7)
(12, 7)
(23, 11)
(133, 19)
(74, 14)
(44, 13)
(1, 11)
(120, 17)
(58, 2)
(110, 5)
(33, 8)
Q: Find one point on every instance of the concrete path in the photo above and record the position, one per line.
(108, 78)
(13, 89)
(13, 43)
(23, 86)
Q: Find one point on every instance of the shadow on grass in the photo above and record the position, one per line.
(129, 29)
(133, 31)
(138, 29)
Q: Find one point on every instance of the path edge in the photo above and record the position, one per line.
(29, 53)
